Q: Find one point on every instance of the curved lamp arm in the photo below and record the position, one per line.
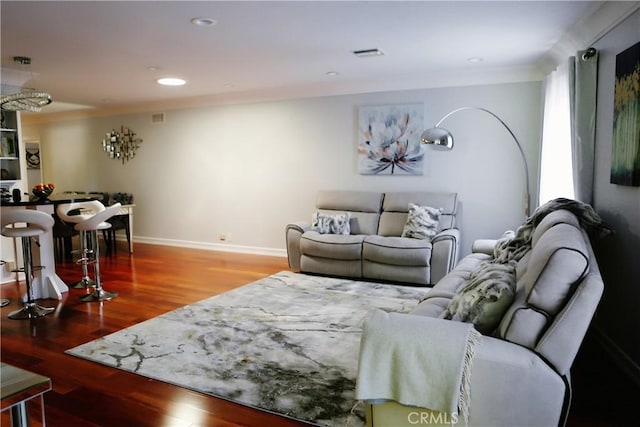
(441, 138)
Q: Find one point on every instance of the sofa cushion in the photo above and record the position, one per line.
(558, 260)
(422, 222)
(359, 201)
(561, 216)
(396, 207)
(451, 283)
(397, 251)
(331, 224)
(526, 326)
(432, 307)
(332, 246)
(364, 207)
(485, 297)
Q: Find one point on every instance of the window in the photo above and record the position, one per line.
(556, 166)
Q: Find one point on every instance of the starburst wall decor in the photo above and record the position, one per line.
(121, 145)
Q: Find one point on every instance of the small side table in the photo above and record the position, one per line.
(17, 388)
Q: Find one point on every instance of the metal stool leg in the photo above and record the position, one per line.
(85, 244)
(98, 293)
(3, 301)
(31, 310)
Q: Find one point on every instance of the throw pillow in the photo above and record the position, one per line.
(331, 224)
(485, 297)
(422, 222)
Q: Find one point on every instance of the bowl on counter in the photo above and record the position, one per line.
(42, 191)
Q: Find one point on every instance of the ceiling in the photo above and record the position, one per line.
(107, 55)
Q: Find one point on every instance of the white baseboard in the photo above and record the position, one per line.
(13, 278)
(221, 247)
(618, 355)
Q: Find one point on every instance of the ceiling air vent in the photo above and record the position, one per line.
(367, 53)
(157, 118)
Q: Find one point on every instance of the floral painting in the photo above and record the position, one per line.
(389, 140)
(625, 151)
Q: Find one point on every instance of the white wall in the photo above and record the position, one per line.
(250, 169)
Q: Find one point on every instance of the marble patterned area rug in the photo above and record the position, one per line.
(287, 344)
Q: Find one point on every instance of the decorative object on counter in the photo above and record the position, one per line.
(121, 145)
(28, 100)
(5, 194)
(17, 195)
(441, 139)
(122, 198)
(42, 191)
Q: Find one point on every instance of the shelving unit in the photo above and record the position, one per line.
(10, 167)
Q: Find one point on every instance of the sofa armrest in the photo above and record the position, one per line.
(444, 254)
(483, 246)
(510, 384)
(498, 365)
(293, 233)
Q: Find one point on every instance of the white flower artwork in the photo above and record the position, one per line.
(389, 139)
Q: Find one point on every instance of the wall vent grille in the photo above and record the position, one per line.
(157, 118)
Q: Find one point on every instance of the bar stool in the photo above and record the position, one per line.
(37, 223)
(75, 213)
(91, 226)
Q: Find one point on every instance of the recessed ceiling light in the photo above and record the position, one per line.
(204, 22)
(332, 73)
(475, 59)
(171, 81)
(153, 68)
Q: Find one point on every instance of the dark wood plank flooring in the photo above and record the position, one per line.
(154, 280)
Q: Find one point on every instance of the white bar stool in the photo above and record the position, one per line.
(36, 223)
(92, 225)
(84, 210)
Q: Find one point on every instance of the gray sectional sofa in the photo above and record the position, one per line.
(374, 248)
(521, 368)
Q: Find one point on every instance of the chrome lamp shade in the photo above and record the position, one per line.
(437, 138)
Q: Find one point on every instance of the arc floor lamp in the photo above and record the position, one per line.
(441, 139)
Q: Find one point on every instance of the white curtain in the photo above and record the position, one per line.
(556, 166)
(568, 130)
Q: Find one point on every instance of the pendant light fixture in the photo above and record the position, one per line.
(25, 100)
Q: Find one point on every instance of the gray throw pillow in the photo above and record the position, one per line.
(331, 224)
(422, 222)
(485, 297)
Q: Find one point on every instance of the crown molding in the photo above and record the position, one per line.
(605, 16)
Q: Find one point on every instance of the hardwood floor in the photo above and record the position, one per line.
(152, 281)
(157, 279)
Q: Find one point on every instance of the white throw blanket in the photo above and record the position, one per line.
(417, 361)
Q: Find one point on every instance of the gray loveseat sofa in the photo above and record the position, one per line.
(374, 248)
(520, 373)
